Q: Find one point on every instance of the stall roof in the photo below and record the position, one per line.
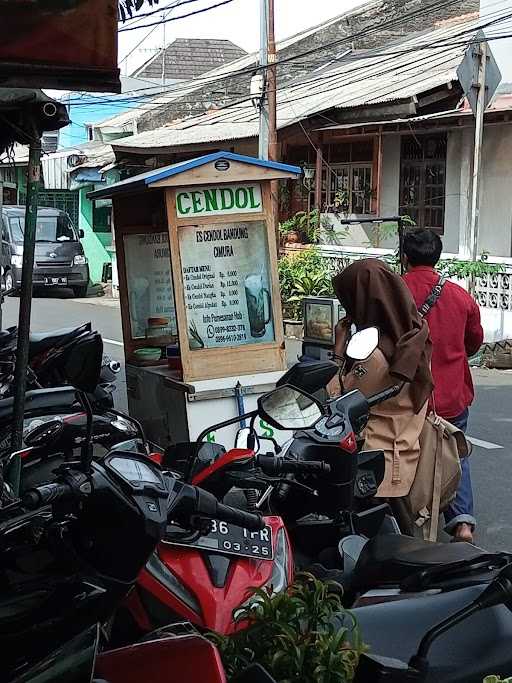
(146, 179)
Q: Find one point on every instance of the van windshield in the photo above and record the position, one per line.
(48, 229)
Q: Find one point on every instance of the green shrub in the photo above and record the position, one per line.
(497, 679)
(292, 635)
(301, 274)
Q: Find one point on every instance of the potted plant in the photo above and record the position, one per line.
(289, 232)
(294, 637)
(302, 274)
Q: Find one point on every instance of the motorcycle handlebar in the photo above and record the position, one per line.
(43, 495)
(239, 517)
(384, 395)
(205, 503)
(272, 465)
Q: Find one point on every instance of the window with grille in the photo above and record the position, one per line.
(65, 200)
(423, 180)
(347, 178)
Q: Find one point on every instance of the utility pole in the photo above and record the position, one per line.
(263, 139)
(272, 85)
(163, 50)
(20, 371)
(477, 156)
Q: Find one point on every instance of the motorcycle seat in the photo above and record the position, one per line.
(41, 401)
(43, 341)
(391, 558)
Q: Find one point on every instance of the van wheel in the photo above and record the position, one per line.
(8, 281)
(80, 292)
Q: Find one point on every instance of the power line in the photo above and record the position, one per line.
(182, 16)
(176, 3)
(198, 82)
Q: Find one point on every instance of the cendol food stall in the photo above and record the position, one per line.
(199, 291)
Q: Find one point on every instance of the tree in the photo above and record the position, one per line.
(128, 7)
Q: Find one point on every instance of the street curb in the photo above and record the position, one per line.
(98, 301)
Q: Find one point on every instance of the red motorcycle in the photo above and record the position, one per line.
(205, 577)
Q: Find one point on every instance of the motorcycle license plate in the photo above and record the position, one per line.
(233, 540)
(55, 281)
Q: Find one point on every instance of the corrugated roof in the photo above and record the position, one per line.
(399, 72)
(190, 57)
(150, 177)
(125, 120)
(56, 167)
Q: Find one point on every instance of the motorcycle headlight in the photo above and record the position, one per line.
(123, 425)
(278, 582)
(79, 260)
(163, 575)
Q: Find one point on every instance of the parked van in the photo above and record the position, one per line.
(59, 259)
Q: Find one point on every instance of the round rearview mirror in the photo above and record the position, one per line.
(363, 343)
(289, 408)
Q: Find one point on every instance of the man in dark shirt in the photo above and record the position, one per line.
(456, 334)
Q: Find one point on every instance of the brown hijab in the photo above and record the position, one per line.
(373, 295)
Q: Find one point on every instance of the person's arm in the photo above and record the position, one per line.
(474, 334)
(341, 331)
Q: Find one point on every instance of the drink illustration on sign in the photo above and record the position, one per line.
(150, 289)
(226, 284)
(256, 295)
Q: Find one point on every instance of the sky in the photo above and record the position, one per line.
(237, 21)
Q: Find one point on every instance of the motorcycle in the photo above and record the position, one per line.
(458, 636)
(47, 355)
(206, 579)
(72, 548)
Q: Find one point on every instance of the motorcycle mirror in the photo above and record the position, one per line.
(82, 364)
(289, 408)
(310, 376)
(43, 434)
(363, 343)
(247, 438)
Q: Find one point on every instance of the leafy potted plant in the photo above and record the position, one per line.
(288, 231)
(302, 274)
(294, 637)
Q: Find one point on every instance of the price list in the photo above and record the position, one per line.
(225, 278)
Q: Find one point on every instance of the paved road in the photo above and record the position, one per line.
(490, 422)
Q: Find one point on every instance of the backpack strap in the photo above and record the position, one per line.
(432, 298)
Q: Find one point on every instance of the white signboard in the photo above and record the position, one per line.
(226, 284)
(150, 288)
(219, 200)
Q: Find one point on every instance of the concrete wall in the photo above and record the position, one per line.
(453, 193)
(496, 207)
(95, 251)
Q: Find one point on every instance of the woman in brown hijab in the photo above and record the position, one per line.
(374, 296)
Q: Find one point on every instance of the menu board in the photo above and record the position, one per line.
(150, 288)
(225, 269)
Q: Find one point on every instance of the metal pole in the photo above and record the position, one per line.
(264, 114)
(477, 158)
(20, 372)
(272, 85)
(273, 149)
(163, 50)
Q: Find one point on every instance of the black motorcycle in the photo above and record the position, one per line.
(71, 549)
